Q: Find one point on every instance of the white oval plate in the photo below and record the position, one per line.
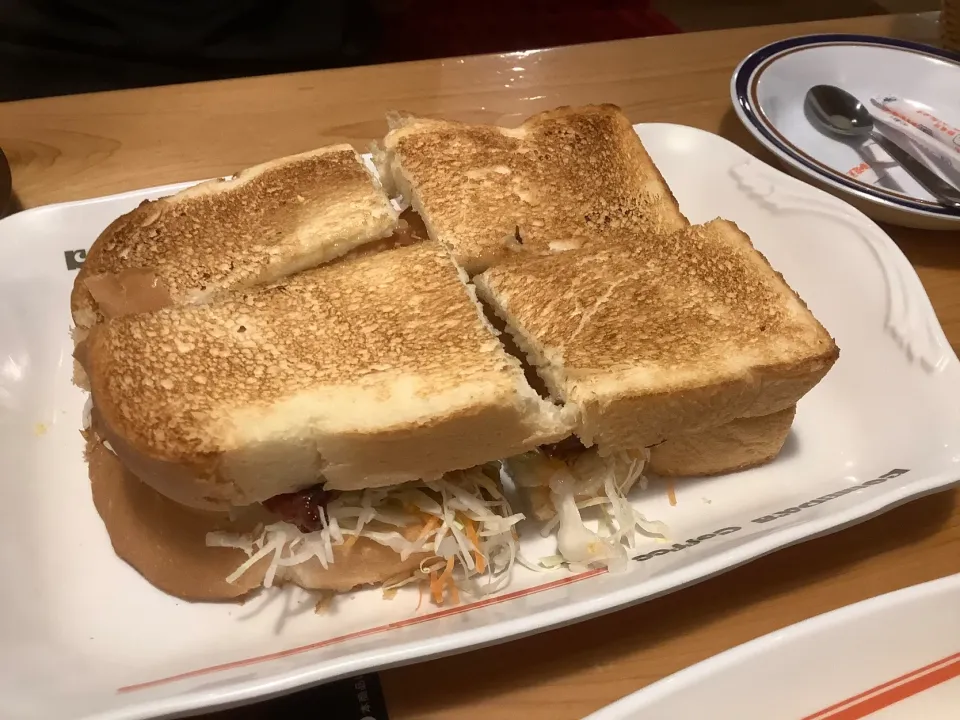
(895, 657)
(82, 635)
(768, 90)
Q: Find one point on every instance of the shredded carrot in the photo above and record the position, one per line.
(446, 579)
(671, 492)
(430, 525)
(419, 594)
(436, 588)
(475, 539)
(454, 593)
(437, 583)
(349, 542)
(448, 570)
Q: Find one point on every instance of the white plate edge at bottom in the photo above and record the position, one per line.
(689, 677)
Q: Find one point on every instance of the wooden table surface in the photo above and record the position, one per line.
(83, 146)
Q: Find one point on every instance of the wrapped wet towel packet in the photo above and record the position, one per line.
(921, 126)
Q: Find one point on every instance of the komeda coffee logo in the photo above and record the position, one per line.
(773, 517)
(786, 512)
(74, 258)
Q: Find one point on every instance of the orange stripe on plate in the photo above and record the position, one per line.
(889, 693)
(447, 612)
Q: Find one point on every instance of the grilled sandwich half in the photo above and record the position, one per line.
(361, 399)
(687, 351)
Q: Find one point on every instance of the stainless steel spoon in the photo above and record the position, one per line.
(837, 112)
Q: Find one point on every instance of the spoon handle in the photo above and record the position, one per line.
(943, 191)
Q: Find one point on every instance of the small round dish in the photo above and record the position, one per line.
(768, 90)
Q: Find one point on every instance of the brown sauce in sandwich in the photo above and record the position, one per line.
(301, 508)
(566, 450)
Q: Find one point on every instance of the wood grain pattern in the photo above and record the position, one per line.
(87, 145)
(83, 146)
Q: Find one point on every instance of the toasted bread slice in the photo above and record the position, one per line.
(740, 444)
(662, 336)
(262, 224)
(565, 178)
(371, 371)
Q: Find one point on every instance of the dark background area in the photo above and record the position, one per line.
(56, 47)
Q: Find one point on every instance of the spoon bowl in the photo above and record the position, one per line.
(836, 111)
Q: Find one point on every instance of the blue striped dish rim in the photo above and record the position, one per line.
(744, 82)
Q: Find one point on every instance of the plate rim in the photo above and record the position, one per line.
(416, 651)
(259, 689)
(688, 677)
(754, 63)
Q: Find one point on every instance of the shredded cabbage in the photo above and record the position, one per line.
(592, 480)
(577, 543)
(552, 561)
(463, 516)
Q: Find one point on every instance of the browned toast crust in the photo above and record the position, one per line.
(220, 235)
(666, 335)
(566, 177)
(372, 371)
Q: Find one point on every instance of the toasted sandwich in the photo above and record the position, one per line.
(260, 417)
(689, 340)
(565, 178)
(331, 429)
(260, 225)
